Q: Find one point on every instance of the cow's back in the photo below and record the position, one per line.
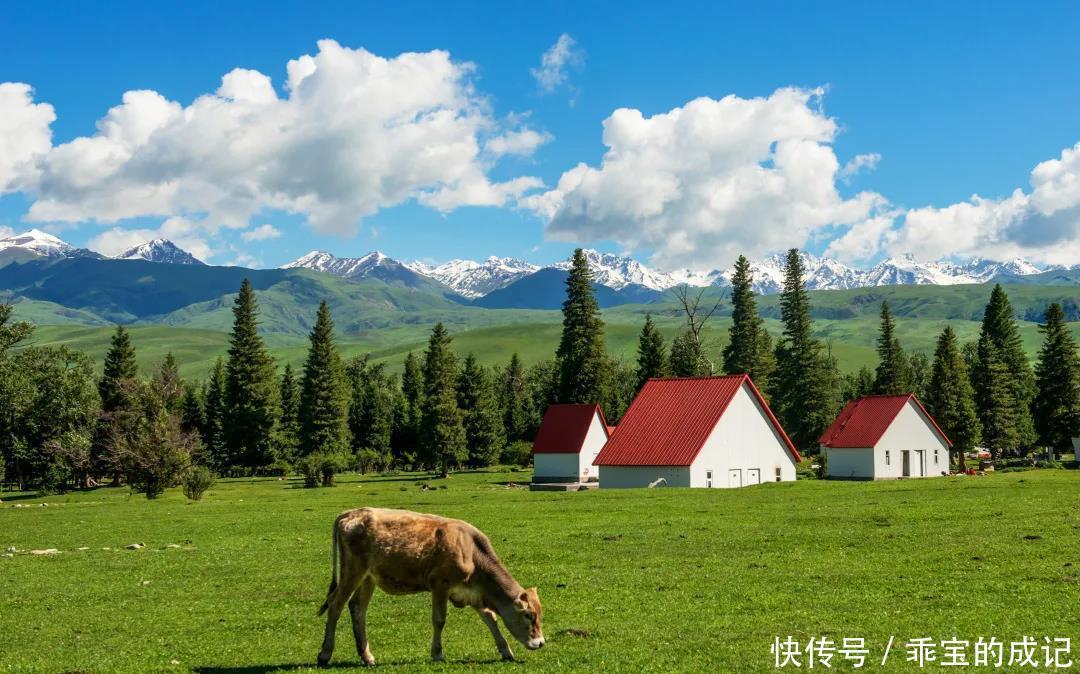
(406, 551)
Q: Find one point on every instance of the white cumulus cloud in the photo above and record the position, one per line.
(353, 133)
(704, 182)
(261, 233)
(555, 62)
(25, 134)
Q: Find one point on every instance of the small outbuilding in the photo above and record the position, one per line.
(885, 437)
(570, 438)
(707, 432)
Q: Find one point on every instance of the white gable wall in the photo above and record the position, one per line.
(573, 467)
(911, 431)
(744, 440)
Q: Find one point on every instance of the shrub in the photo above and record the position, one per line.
(368, 460)
(517, 454)
(197, 481)
(279, 468)
(319, 469)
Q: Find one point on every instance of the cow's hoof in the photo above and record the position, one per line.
(322, 663)
(508, 657)
(438, 657)
(368, 661)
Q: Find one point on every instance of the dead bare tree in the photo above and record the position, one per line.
(698, 312)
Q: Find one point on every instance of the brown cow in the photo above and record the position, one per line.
(404, 552)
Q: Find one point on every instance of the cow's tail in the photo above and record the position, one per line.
(333, 566)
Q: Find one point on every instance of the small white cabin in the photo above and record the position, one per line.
(570, 438)
(710, 432)
(884, 438)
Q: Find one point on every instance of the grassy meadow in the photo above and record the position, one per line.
(631, 580)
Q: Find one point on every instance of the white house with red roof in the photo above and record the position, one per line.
(570, 438)
(712, 432)
(885, 437)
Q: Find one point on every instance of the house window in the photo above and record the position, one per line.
(886, 457)
(935, 457)
(778, 473)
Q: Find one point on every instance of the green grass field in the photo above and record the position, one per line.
(637, 580)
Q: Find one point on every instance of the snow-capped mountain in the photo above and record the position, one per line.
(617, 272)
(37, 241)
(159, 250)
(348, 267)
(475, 279)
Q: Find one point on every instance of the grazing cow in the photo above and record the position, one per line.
(404, 552)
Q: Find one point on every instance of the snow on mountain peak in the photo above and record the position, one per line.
(159, 250)
(38, 242)
(472, 279)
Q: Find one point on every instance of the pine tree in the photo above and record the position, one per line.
(372, 409)
(169, 383)
(999, 331)
(744, 350)
(192, 414)
(995, 400)
(892, 376)
(687, 358)
(412, 389)
(484, 430)
(919, 369)
(652, 354)
(1057, 377)
(120, 367)
(251, 388)
(214, 429)
(442, 434)
(515, 400)
(855, 385)
(950, 398)
(581, 349)
(288, 444)
(806, 387)
(323, 396)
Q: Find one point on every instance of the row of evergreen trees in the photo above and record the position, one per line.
(60, 426)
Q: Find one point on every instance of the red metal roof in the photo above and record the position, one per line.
(862, 422)
(564, 428)
(670, 420)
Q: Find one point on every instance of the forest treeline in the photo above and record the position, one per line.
(62, 427)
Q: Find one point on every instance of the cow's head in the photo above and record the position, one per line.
(523, 620)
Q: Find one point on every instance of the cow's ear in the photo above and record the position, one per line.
(524, 596)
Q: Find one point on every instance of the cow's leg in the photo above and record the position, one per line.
(358, 609)
(488, 616)
(438, 621)
(334, 604)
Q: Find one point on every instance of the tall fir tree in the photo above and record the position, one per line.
(1057, 383)
(169, 384)
(920, 368)
(515, 400)
(442, 433)
(323, 396)
(857, 384)
(484, 430)
(999, 331)
(995, 400)
(892, 376)
(120, 367)
(412, 389)
(214, 429)
(687, 358)
(806, 387)
(749, 348)
(251, 387)
(192, 413)
(950, 398)
(372, 407)
(288, 444)
(581, 352)
(652, 359)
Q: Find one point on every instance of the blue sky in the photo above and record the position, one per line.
(954, 99)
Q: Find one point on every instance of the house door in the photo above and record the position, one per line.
(708, 479)
(905, 457)
(753, 476)
(921, 454)
(734, 477)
